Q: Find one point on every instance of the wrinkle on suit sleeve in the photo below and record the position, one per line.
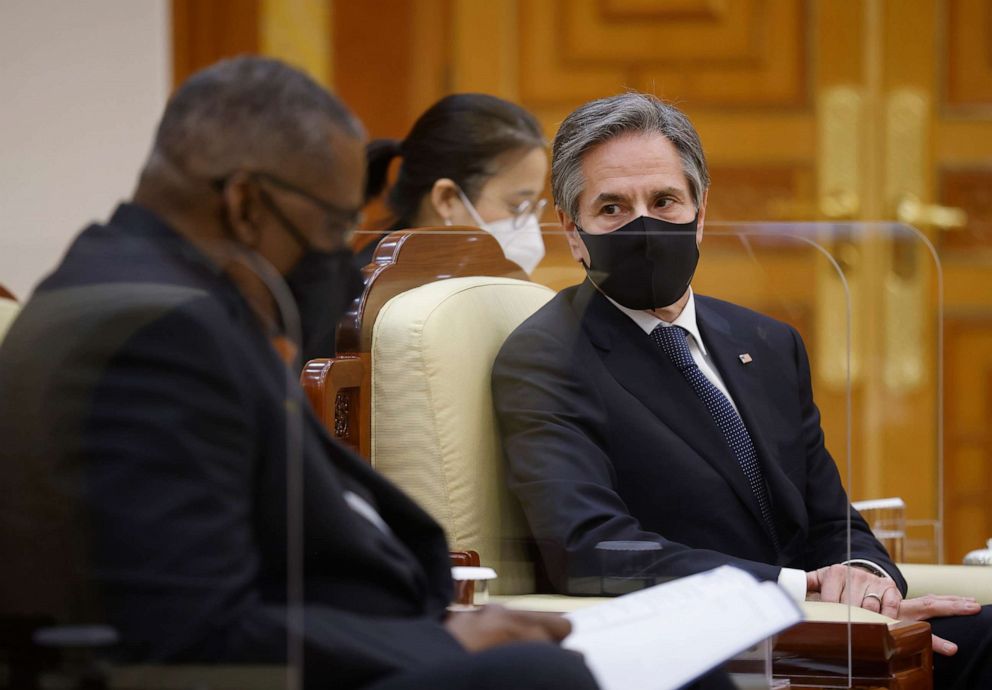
(558, 465)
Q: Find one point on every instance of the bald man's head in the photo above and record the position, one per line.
(250, 112)
(253, 153)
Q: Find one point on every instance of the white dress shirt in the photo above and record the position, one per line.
(792, 580)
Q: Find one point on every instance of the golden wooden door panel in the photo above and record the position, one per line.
(962, 176)
(745, 53)
(969, 434)
(765, 82)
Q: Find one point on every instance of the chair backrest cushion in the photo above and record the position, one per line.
(433, 426)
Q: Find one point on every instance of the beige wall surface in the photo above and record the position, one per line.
(81, 87)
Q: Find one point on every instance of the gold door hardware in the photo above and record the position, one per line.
(839, 118)
(840, 125)
(907, 262)
(912, 211)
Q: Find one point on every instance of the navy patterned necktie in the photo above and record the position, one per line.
(672, 339)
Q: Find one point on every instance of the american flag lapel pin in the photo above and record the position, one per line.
(744, 357)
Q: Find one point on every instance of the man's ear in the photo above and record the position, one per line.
(701, 216)
(242, 207)
(575, 244)
(444, 194)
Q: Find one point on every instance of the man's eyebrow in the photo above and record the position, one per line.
(667, 191)
(608, 198)
(616, 197)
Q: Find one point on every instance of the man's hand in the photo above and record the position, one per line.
(936, 606)
(863, 589)
(494, 625)
(831, 584)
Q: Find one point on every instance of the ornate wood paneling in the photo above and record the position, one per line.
(706, 54)
(204, 32)
(968, 435)
(971, 190)
(671, 9)
(769, 192)
(373, 55)
(968, 67)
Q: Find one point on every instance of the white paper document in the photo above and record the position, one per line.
(662, 637)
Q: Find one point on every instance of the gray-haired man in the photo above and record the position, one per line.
(633, 410)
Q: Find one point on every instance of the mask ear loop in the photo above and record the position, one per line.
(471, 209)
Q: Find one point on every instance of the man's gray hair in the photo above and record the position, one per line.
(608, 118)
(249, 111)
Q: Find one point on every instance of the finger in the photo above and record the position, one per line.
(832, 582)
(891, 599)
(872, 603)
(857, 583)
(931, 606)
(943, 647)
(813, 581)
(555, 624)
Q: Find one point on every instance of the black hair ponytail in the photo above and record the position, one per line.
(379, 153)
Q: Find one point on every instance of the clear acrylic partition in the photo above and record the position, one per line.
(432, 353)
(889, 376)
(144, 534)
(122, 560)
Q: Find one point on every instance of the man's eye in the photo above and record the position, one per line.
(665, 202)
(610, 209)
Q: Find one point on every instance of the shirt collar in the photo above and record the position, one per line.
(647, 321)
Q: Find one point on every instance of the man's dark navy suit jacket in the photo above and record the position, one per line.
(606, 440)
(143, 475)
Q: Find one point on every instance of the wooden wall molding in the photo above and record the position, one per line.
(746, 54)
(968, 188)
(205, 32)
(762, 192)
(968, 66)
(968, 436)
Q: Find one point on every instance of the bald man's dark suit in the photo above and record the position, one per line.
(146, 423)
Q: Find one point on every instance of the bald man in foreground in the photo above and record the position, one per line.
(151, 428)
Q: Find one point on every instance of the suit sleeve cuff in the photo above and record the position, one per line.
(793, 581)
(870, 566)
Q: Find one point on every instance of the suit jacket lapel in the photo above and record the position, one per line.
(746, 384)
(650, 376)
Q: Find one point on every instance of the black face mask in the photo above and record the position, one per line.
(324, 284)
(645, 264)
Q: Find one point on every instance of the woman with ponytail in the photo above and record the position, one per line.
(470, 159)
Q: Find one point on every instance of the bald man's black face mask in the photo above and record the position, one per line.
(645, 264)
(323, 283)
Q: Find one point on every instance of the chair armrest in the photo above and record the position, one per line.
(896, 655)
(465, 591)
(963, 580)
(338, 391)
(885, 653)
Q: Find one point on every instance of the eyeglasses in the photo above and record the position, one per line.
(338, 220)
(526, 208)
